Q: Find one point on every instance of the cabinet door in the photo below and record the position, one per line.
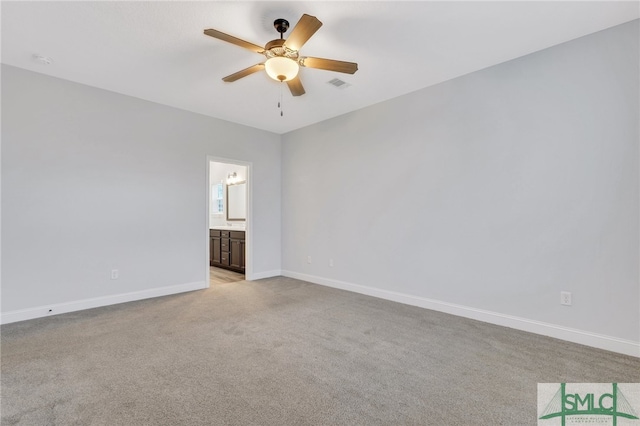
(242, 255)
(214, 251)
(236, 254)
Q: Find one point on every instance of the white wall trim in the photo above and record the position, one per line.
(600, 341)
(96, 302)
(266, 274)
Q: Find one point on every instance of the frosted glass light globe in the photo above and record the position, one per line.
(281, 68)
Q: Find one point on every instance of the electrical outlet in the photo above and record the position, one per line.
(115, 274)
(565, 298)
(308, 259)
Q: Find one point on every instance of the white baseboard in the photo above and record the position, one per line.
(96, 302)
(266, 274)
(609, 343)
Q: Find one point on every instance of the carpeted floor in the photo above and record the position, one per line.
(281, 351)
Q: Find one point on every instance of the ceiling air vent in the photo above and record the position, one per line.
(339, 83)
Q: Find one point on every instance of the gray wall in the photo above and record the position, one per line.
(93, 180)
(494, 191)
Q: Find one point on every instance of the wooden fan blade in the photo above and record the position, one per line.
(295, 86)
(245, 72)
(304, 29)
(234, 40)
(330, 65)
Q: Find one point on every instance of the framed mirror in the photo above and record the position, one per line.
(237, 201)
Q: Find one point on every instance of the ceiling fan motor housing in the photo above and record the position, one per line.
(277, 47)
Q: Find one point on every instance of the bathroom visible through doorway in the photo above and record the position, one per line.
(227, 219)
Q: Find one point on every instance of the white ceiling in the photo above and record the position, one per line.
(157, 50)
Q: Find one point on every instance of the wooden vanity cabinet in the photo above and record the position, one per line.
(227, 249)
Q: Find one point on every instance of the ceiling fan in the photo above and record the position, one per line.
(283, 56)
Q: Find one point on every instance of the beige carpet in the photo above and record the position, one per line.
(282, 352)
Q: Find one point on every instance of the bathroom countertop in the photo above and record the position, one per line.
(228, 228)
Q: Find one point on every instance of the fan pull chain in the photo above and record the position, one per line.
(280, 103)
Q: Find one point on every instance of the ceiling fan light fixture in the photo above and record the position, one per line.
(281, 68)
(283, 60)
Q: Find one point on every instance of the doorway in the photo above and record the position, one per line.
(228, 220)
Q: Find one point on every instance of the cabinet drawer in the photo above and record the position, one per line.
(225, 259)
(237, 235)
(224, 244)
(214, 233)
(224, 234)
